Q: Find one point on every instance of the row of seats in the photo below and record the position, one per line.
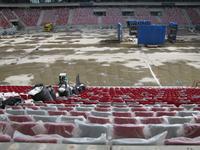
(91, 118)
(82, 16)
(23, 132)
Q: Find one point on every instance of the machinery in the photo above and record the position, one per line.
(172, 32)
(48, 27)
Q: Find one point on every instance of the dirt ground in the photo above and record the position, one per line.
(98, 58)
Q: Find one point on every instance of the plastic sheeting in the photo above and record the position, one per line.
(183, 141)
(156, 140)
(125, 120)
(191, 130)
(128, 131)
(173, 130)
(179, 120)
(90, 130)
(87, 140)
(98, 120)
(20, 118)
(153, 120)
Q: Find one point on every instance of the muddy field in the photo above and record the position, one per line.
(98, 58)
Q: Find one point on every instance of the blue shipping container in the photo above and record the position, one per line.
(151, 35)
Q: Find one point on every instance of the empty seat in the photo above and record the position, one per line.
(36, 139)
(45, 118)
(5, 138)
(101, 114)
(36, 112)
(66, 108)
(166, 113)
(102, 108)
(56, 105)
(120, 109)
(139, 109)
(90, 130)
(172, 129)
(176, 109)
(98, 120)
(70, 119)
(20, 118)
(128, 131)
(179, 120)
(56, 112)
(191, 130)
(124, 120)
(144, 113)
(187, 113)
(153, 120)
(48, 107)
(62, 129)
(1, 111)
(79, 113)
(25, 127)
(84, 108)
(158, 109)
(182, 141)
(15, 112)
(122, 114)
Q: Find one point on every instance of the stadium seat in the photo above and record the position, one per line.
(122, 114)
(90, 130)
(62, 129)
(124, 120)
(20, 118)
(172, 129)
(98, 120)
(153, 120)
(128, 131)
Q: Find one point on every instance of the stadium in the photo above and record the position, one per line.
(100, 74)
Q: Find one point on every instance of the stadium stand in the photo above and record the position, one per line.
(175, 110)
(85, 16)
(28, 16)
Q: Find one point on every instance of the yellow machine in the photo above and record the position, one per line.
(48, 27)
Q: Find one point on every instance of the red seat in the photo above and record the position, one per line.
(165, 113)
(122, 114)
(144, 113)
(191, 130)
(36, 139)
(1, 111)
(62, 129)
(139, 109)
(66, 108)
(25, 127)
(79, 113)
(176, 109)
(56, 113)
(5, 138)
(124, 120)
(103, 109)
(152, 120)
(158, 109)
(98, 120)
(20, 118)
(128, 131)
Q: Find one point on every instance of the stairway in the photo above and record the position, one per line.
(71, 15)
(187, 17)
(40, 18)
